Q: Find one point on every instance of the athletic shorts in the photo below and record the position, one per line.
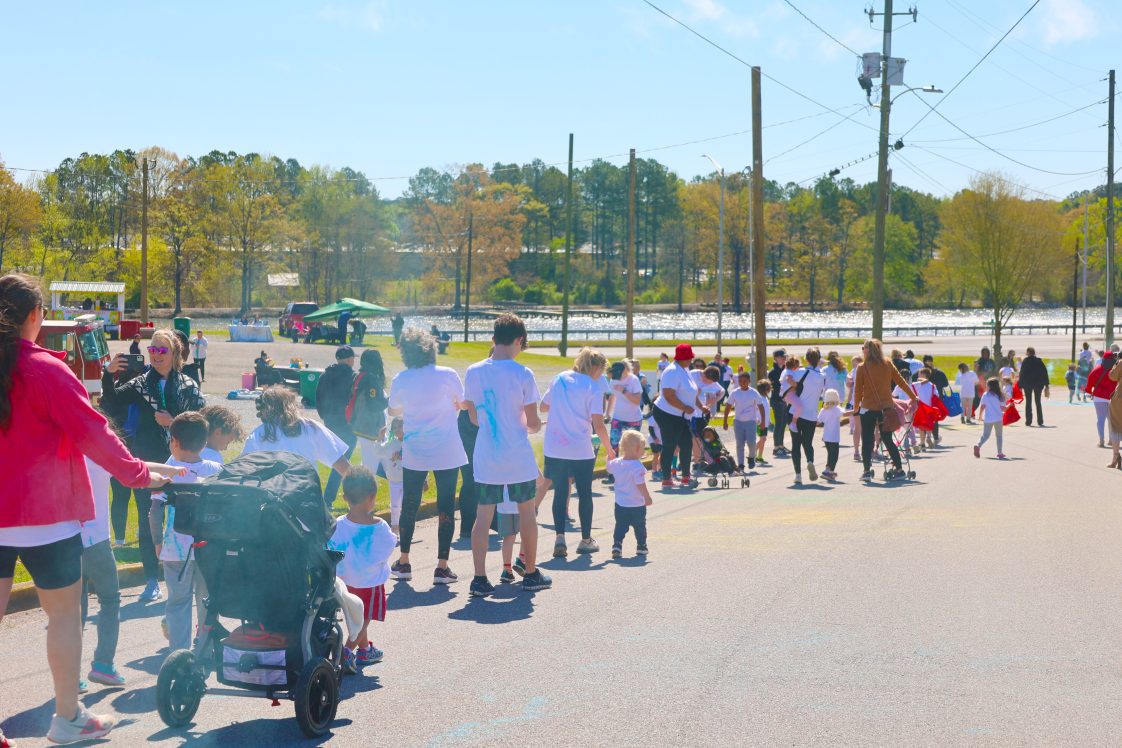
(508, 525)
(52, 566)
(491, 493)
(373, 601)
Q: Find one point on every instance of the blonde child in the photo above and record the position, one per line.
(632, 496)
(967, 383)
(368, 544)
(991, 411)
(829, 418)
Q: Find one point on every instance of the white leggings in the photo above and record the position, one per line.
(1102, 410)
(994, 427)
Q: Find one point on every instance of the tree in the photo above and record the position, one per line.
(20, 212)
(177, 211)
(1009, 244)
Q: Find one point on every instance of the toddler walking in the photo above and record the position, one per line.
(829, 418)
(967, 383)
(991, 411)
(1070, 377)
(387, 452)
(632, 496)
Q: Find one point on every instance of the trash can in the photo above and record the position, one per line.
(309, 380)
(183, 324)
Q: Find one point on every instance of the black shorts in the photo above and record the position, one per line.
(52, 566)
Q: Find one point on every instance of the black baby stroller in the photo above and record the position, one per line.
(260, 528)
(716, 461)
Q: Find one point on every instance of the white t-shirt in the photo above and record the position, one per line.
(97, 530)
(967, 383)
(899, 394)
(175, 546)
(573, 399)
(813, 385)
(992, 403)
(629, 475)
(389, 456)
(500, 391)
(831, 419)
(925, 392)
(746, 404)
(653, 429)
(677, 379)
(429, 398)
(368, 549)
(1005, 372)
(710, 392)
(199, 345)
(626, 410)
(913, 365)
(506, 506)
(212, 454)
(315, 442)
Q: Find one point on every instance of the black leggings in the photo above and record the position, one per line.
(782, 416)
(804, 437)
(201, 363)
(560, 470)
(412, 484)
(675, 436)
(870, 420)
(1033, 393)
(832, 449)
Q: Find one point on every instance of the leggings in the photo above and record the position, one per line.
(560, 470)
(782, 418)
(1033, 393)
(676, 436)
(412, 483)
(996, 428)
(832, 449)
(870, 422)
(1102, 410)
(745, 432)
(804, 437)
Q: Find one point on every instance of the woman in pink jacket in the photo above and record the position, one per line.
(47, 425)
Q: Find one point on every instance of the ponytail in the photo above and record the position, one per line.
(19, 296)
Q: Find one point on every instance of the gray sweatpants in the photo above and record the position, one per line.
(100, 568)
(178, 610)
(745, 431)
(994, 427)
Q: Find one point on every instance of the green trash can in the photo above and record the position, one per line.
(309, 380)
(183, 324)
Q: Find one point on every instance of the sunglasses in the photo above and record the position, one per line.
(160, 349)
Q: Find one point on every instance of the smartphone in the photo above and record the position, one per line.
(134, 362)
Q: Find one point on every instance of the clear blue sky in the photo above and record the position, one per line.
(390, 86)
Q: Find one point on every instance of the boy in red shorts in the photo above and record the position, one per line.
(368, 544)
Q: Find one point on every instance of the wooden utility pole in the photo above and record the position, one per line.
(882, 177)
(467, 277)
(631, 257)
(759, 292)
(1110, 214)
(144, 244)
(1074, 298)
(564, 346)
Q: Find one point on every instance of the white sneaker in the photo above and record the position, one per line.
(811, 471)
(798, 479)
(84, 726)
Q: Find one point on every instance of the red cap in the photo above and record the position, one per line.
(683, 352)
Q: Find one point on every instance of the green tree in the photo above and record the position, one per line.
(20, 212)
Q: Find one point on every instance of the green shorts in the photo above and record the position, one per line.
(490, 493)
(508, 525)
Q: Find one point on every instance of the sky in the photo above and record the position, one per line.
(390, 86)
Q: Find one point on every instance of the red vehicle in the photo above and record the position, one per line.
(294, 313)
(83, 341)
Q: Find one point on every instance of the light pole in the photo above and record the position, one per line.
(747, 171)
(882, 186)
(720, 251)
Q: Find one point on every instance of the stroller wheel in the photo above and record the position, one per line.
(744, 483)
(317, 697)
(911, 475)
(179, 688)
(712, 482)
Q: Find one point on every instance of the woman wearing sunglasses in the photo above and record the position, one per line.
(161, 393)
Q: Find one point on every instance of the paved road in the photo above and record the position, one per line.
(976, 606)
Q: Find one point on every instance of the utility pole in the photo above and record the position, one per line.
(1110, 214)
(631, 257)
(467, 276)
(751, 269)
(144, 244)
(759, 295)
(1085, 201)
(564, 346)
(882, 175)
(1074, 297)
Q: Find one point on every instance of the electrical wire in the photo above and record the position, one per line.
(809, 20)
(810, 139)
(1018, 129)
(979, 171)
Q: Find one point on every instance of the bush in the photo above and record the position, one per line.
(541, 293)
(505, 289)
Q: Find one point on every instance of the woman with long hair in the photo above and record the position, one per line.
(872, 395)
(366, 411)
(283, 429)
(47, 424)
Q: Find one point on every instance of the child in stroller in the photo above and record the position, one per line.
(715, 460)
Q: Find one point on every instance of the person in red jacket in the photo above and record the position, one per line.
(1100, 387)
(47, 424)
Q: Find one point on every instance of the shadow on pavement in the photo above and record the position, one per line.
(402, 596)
(30, 723)
(136, 610)
(356, 684)
(149, 664)
(136, 701)
(582, 562)
(251, 732)
(502, 607)
(633, 562)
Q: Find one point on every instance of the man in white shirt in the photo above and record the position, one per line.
(198, 348)
(809, 384)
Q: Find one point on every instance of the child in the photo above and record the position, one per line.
(789, 393)
(656, 447)
(991, 410)
(829, 418)
(100, 568)
(967, 383)
(910, 446)
(632, 496)
(188, 438)
(1070, 377)
(763, 386)
(225, 428)
(926, 394)
(749, 411)
(387, 451)
(507, 512)
(712, 446)
(1007, 387)
(368, 544)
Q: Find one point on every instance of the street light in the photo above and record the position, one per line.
(882, 198)
(720, 251)
(929, 88)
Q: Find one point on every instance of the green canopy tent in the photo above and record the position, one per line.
(354, 306)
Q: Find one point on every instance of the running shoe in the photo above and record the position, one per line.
(667, 484)
(588, 546)
(798, 479)
(84, 726)
(444, 576)
(811, 472)
(151, 592)
(868, 475)
(751, 464)
(5, 743)
(507, 577)
(656, 475)
(520, 566)
(401, 571)
(350, 661)
(895, 474)
(536, 581)
(368, 655)
(641, 550)
(83, 686)
(617, 551)
(1001, 455)
(977, 451)
(857, 457)
(480, 587)
(106, 675)
(559, 549)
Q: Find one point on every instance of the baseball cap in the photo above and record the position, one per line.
(683, 352)
(778, 352)
(344, 352)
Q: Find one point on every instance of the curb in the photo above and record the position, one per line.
(25, 597)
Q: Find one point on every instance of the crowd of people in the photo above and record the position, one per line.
(154, 426)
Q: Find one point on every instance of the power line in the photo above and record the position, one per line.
(809, 20)
(945, 96)
(979, 171)
(1018, 129)
(811, 138)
